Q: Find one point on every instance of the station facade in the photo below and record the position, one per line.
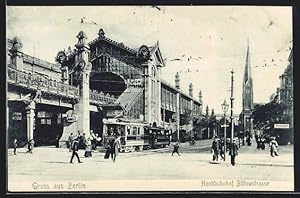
(96, 80)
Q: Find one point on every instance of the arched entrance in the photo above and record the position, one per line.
(49, 125)
(107, 82)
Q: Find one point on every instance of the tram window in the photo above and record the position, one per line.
(59, 119)
(134, 130)
(138, 132)
(43, 121)
(128, 130)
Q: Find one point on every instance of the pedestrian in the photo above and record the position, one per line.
(30, 146)
(233, 152)
(70, 141)
(176, 149)
(215, 147)
(112, 148)
(222, 149)
(117, 145)
(263, 142)
(258, 141)
(88, 148)
(249, 140)
(75, 145)
(15, 146)
(107, 153)
(273, 147)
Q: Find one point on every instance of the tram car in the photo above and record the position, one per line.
(134, 135)
(158, 137)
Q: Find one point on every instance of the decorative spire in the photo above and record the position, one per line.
(101, 33)
(191, 89)
(207, 110)
(200, 96)
(177, 80)
(212, 112)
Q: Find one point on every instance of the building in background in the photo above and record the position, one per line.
(95, 80)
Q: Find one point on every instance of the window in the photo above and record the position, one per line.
(134, 130)
(43, 121)
(17, 116)
(128, 130)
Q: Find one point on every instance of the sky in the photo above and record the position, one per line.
(202, 43)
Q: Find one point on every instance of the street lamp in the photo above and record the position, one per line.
(225, 109)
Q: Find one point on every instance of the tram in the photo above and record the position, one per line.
(134, 135)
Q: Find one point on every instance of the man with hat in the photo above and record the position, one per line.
(75, 145)
(233, 151)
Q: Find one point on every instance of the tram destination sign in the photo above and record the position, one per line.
(281, 126)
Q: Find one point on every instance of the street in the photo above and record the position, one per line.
(48, 169)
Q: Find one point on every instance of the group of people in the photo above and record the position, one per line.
(262, 140)
(113, 145)
(77, 141)
(218, 149)
(30, 145)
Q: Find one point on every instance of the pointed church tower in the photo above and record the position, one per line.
(247, 96)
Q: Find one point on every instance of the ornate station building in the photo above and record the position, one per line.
(95, 80)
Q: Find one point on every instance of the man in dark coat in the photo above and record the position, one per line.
(233, 152)
(215, 148)
(75, 149)
(112, 148)
(70, 141)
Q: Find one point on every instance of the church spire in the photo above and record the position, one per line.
(247, 74)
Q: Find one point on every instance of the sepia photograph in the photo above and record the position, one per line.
(149, 98)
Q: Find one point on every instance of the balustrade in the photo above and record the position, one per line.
(100, 97)
(37, 81)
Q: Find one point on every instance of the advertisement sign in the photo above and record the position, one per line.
(114, 113)
(281, 126)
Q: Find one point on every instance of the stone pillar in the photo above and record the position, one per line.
(30, 113)
(16, 54)
(158, 97)
(147, 88)
(82, 107)
(69, 127)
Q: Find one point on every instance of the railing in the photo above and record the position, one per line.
(40, 62)
(101, 98)
(39, 82)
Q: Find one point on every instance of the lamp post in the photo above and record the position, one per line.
(231, 118)
(225, 109)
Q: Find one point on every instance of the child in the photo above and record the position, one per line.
(175, 150)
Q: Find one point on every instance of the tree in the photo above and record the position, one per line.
(266, 115)
(186, 118)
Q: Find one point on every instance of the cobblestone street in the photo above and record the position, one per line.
(149, 170)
